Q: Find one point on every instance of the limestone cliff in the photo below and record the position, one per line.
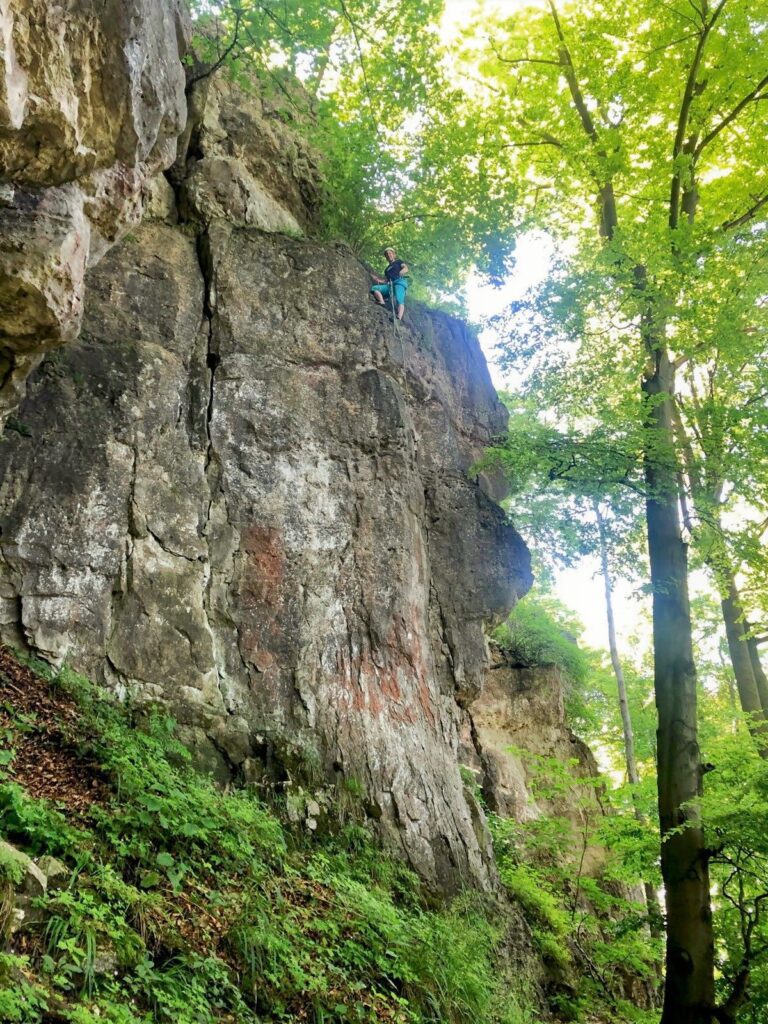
(517, 722)
(241, 492)
(233, 487)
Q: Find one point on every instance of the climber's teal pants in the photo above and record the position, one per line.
(399, 288)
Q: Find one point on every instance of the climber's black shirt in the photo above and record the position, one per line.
(393, 270)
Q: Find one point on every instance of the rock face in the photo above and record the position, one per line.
(530, 766)
(242, 493)
(240, 161)
(517, 720)
(91, 105)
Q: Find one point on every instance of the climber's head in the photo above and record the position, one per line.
(390, 254)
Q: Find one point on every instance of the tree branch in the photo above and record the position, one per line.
(749, 98)
(684, 115)
(747, 216)
(674, 10)
(356, 34)
(211, 69)
(538, 142)
(521, 60)
(667, 46)
(608, 215)
(566, 62)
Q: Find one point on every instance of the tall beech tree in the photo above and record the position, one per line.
(558, 482)
(650, 117)
(721, 422)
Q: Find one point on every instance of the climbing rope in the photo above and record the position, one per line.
(394, 311)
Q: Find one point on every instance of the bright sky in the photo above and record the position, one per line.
(580, 588)
(533, 255)
(458, 12)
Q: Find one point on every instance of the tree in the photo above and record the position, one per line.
(654, 911)
(637, 134)
(632, 113)
(558, 481)
(354, 83)
(720, 422)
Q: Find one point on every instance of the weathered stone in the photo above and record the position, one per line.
(106, 962)
(160, 201)
(518, 719)
(91, 104)
(223, 187)
(238, 160)
(56, 874)
(26, 914)
(32, 881)
(87, 87)
(262, 516)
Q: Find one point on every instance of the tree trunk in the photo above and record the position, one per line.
(689, 986)
(760, 677)
(745, 661)
(689, 983)
(655, 920)
(743, 667)
(626, 720)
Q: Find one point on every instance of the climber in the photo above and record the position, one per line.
(394, 283)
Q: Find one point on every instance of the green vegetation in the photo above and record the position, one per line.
(590, 934)
(541, 631)
(635, 137)
(189, 905)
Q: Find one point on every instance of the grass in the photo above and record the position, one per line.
(189, 905)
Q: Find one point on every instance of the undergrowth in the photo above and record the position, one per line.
(188, 905)
(590, 933)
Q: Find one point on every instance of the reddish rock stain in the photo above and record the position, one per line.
(261, 594)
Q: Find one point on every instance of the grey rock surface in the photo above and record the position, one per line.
(26, 877)
(91, 105)
(57, 874)
(240, 160)
(243, 494)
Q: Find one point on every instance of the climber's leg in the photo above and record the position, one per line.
(399, 290)
(378, 291)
